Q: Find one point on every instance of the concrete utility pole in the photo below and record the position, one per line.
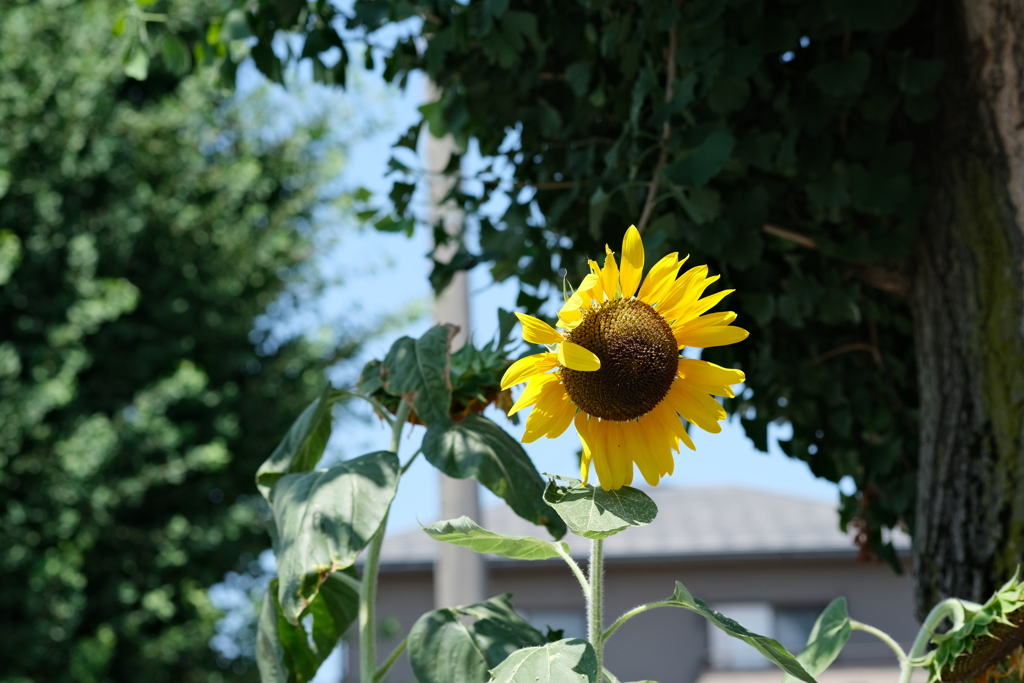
(460, 575)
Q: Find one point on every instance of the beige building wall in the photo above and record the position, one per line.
(671, 645)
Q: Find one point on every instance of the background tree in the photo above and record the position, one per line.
(143, 228)
(868, 210)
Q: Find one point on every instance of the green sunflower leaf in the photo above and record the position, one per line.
(592, 512)
(444, 649)
(566, 661)
(465, 532)
(479, 449)
(769, 647)
(827, 639)
(324, 519)
(418, 371)
(303, 445)
(285, 653)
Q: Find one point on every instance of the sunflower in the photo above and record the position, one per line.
(615, 369)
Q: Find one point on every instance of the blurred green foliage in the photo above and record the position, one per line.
(776, 140)
(144, 226)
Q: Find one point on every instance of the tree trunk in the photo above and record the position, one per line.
(967, 297)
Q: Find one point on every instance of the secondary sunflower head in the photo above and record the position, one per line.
(616, 372)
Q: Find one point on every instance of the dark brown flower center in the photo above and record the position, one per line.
(639, 359)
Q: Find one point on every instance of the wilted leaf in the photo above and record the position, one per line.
(418, 371)
(285, 653)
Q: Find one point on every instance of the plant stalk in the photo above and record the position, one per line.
(368, 594)
(595, 604)
(942, 610)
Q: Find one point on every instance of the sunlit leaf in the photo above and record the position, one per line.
(592, 512)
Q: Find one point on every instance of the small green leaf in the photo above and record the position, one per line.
(704, 161)
(829, 635)
(418, 371)
(120, 23)
(595, 513)
(465, 532)
(176, 55)
(10, 252)
(444, 649)
(479, 449)
(285, 653)
(769, 647)
(566, 661)
(324, 519)
(303, 445)
(136, 63)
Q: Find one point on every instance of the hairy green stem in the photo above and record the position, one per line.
(390, 661)
(595, 604)
(609, 675)
(632, 613)
(884, 637)
(368, 593)
(575, 570)
(410, 461)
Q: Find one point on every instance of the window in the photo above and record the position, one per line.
(793, 626)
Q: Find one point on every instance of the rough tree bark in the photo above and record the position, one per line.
(967, 297)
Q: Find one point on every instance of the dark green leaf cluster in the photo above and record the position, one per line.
(772, 139)
(143, 229)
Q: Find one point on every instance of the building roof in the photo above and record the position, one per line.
(694, 523)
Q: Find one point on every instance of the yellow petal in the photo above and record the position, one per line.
(710, 320)
(570, 312)
(641, 453)
(685, 404)
(619, 462)
(709, 404)
(707, 337)
(598, 292)
(575, 357)
(703, 372)
(674, 425)
(585, 457)
(709, 302)
(658, 440)
(661, 277)
(537, 331)
(684, 289)
(632, 262)
(531, 394)
(609, 274)
(551, 416)
(525, 368)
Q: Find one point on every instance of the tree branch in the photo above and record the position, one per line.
(796, 237)
(666, 129)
